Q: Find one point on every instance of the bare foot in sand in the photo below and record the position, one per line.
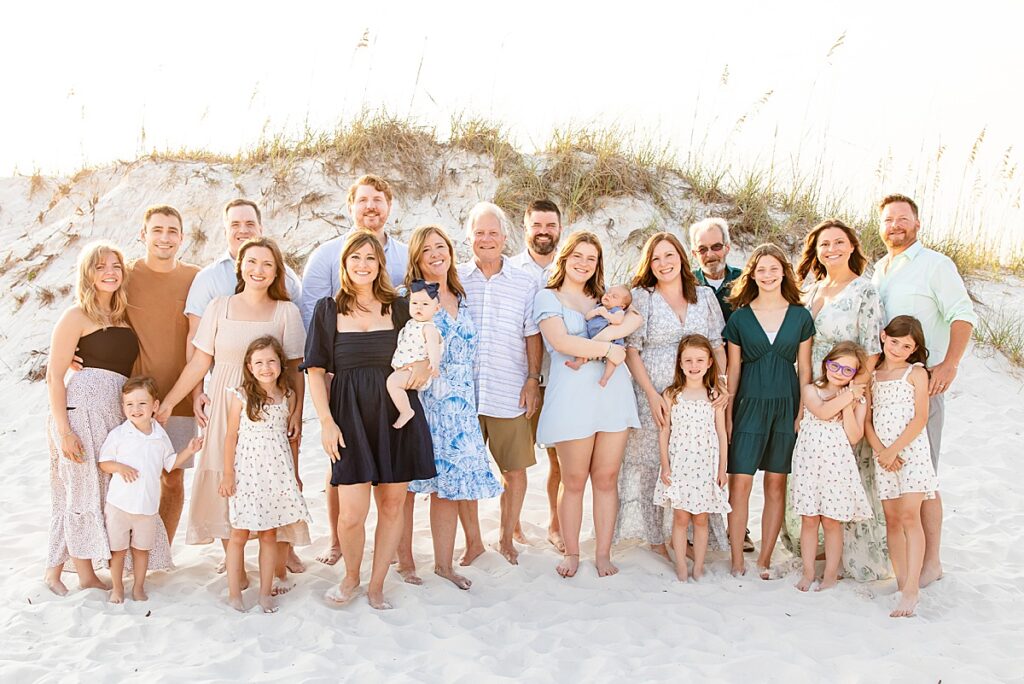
(555, 539)
(930, 574)
(681, 573)
(827, 584)
(906, 605)
(766, 573)
(221, 567)
(805, 583)
(403, 418)
(331, 556)
(293, 562)
(56, 586)
(237, 603)
(281, 586)
(569, 565)
(605, 567)
(377, 602)
(409, 575)
(472, 553)
(116, 596)
(93, 582)
(698, 572)
(268, 604)
(453, 577)
(517, 535)
(738, 570)
(509, 552)
(662, 551)
(139, 594)
(343, 593)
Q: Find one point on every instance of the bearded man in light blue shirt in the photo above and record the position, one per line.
(916, 281)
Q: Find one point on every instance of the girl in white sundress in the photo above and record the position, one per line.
(693, 445)
(903, 465)
(418, 340)
(260, 466)
(826, 485)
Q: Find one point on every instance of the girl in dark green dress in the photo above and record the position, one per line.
(768, 332)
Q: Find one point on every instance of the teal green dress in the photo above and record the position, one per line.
(766, 404)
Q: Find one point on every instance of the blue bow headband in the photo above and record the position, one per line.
(423, 286)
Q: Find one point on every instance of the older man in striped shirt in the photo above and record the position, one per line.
(507, 372)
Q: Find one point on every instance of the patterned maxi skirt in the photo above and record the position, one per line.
(79, 490)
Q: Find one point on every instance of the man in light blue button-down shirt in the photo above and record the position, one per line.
(369, 204)
(916, 281)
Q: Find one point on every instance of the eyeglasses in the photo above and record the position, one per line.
(717, 247)
(840, 369)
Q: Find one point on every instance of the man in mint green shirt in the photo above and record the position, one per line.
(916, 281)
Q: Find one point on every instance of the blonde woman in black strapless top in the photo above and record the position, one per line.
(83, 411)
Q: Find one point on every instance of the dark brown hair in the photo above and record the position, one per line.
(907, 326)
(744, 288)
(542, 205)
(278, 290)
(892, 199)
(375, 182)
(166, 210)
(383, 290)
(241, 202)
(416, 245)
(842, 349)
(645, 277)
(594, 287)
(256, 398)
(679, 378)
(143, 382)
(809, 262)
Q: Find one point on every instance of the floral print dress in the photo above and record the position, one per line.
(657, 341)
(854, 315)
(694, 458)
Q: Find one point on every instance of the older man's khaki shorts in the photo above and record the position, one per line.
(510, 441)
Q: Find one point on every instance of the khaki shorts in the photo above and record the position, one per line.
(130, 529)
(510, 441)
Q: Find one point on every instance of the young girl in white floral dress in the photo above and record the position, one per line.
(903, 464)
(826, 485)
(260, 467)
(693, 445)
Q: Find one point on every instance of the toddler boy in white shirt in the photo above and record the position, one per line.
(137, 450)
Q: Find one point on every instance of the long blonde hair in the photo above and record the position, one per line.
(91, 256)
(594, 287)
(383, 290)
(416, 244)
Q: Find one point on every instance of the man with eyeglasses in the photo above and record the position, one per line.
(709, 244)
(916, 281)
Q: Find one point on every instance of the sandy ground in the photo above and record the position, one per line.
(525, 622)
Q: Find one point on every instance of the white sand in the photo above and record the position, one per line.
(520, 622)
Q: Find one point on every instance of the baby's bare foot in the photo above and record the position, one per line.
(473, 552)
(605, 568)
(453, 577)
(403, 418)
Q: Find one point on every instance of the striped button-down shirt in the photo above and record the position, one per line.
(925, 284)
(541, 274)
(502, 310)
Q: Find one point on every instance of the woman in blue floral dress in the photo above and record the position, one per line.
(460, 455)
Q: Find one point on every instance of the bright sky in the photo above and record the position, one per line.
(82, 81)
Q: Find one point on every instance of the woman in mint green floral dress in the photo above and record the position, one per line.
(845, 307)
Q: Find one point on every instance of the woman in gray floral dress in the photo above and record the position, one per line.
(846, 307)
(666, 295)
